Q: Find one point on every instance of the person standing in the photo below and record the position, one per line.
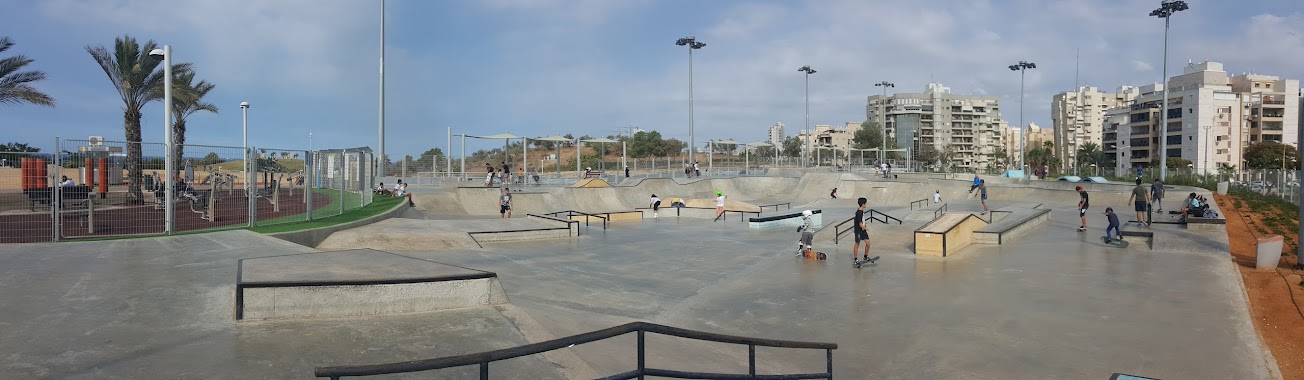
(697, 170)
(1113, 225)
(655, 204)
(626, 171)
(505, 204)
(719, 205)
(982, 194)
(1083, 203)
(1157, 195)
(937, 196)
(862, 232)
(1140, 199)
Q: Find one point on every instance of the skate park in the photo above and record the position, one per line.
(1023, 295)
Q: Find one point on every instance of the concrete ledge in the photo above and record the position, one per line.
(520, 235)
(947, 235)
(358, 282)
(1013, 225)
(313, 237)
(1147, 236)
(1196, 223)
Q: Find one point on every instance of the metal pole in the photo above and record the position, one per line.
(1023, 128)
(1206, 149)
(806, 127)
(381, 171)
(57, 222)
(463, 156)
(1163, 114)
(525, 157)
(882, 126)
(578, 172)
(448, 164)
(170, 211)
(691, 140)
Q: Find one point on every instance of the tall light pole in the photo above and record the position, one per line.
(692, 44)
(882, 121)
(805, 128)
(169, 218)
(1022, 67)
(380, 172)
(1206, 149)
(1165, 11)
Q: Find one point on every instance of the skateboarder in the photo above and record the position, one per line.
(861, 231)
(1083, 203)
(655, 204)
(505, 204)
(719, 204)
(1113, 225)
(833, 193)
(807, 230)
(1157, 195)
(982, 193)
(1141, 199)
(976, 182)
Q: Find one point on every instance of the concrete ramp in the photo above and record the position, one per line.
(591, 182)
(360, 282)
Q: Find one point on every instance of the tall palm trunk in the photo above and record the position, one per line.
(131, 122)
(178, 142)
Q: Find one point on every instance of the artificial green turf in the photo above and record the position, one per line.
(378, 205)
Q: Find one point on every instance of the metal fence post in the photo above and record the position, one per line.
(344, 178)
(310, 178)
(641, 365)
(251, 185)
(55, 222)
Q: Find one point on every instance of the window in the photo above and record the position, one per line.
(1256, 85)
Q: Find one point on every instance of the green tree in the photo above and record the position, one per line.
(1173, 162)
(16, 86)
(868, 136)
(1269, 155)
(792, 147)
(187, 99)
(1089, 153)
(671, 147)
(1002, 158)
(8, 150)
(646, 144)
(135, 75)
(927, 155)
(210, 159)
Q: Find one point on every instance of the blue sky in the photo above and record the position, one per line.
(541, 67)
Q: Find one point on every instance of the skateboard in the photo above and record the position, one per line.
(811, 254)
(859, 263)
(1149, 214)
(1116, 242)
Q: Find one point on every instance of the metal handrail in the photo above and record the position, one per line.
(940, 210)
(885, 219)
(570, 213)
(838, 231)
(924, 201)
(776, 206)
(482, 359)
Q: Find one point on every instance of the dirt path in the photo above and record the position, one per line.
(1275, 295)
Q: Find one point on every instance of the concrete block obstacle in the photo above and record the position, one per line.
(947, 235)
(353, 283)
(785, 220)
(1009, 224)
(1147, 236)
(1201, 223)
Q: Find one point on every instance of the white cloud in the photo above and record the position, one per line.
(1141, 66)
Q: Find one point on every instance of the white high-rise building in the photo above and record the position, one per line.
(776, 134)
(968, 127)
(1212, 118)
(1078, 117)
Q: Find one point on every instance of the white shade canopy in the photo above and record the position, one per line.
(759, 144)
(602, 140)
(556, 138)
(726, 142)
(500, 136)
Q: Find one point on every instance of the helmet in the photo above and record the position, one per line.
(718, 192)
(806, 213)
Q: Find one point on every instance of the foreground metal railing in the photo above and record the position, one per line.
(483, 359)
(572, 213)
(940, 210)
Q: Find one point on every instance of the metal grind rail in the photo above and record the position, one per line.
(776, 206)
(482, 359)
(873, 215)
(922, 203)
(938, 213)
(572, 213)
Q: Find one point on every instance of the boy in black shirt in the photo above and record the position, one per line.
(1082, 208)
(861, 231)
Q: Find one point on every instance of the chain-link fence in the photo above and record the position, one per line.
(96, 188)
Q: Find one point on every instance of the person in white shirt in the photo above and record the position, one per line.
(655, 204)
(398, 188)
(937, 197)
(67, 182)
(719, 205)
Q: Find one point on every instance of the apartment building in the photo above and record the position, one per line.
(1212, 117)
(776, 134)
(1037, 138)
(968, 126)
(1078, 117)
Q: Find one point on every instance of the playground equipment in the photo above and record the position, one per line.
(207, 213)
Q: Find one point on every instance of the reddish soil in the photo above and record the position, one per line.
(1275, 295)
(231, 210)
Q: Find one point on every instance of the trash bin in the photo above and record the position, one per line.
(1222, 188)
(1268, 252)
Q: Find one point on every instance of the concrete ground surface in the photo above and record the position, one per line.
(1055, 304)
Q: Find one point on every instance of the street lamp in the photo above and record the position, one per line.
(1022, 67)
(692, 44)
(169, 218)
(882, 121)
(1165, 11)
(248, 176)
(1206, 149)
(806, 127)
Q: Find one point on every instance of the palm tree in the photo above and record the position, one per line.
(15, 86)
(134, 74)
(1090, 153)
(188, 99)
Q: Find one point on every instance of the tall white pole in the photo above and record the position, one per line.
(381, 171)
(1163, 114)
(882, 126)
(1023, 128)
(169, 222)
(248, 176)
(692, 157)
(448, 164)
(805, 128)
